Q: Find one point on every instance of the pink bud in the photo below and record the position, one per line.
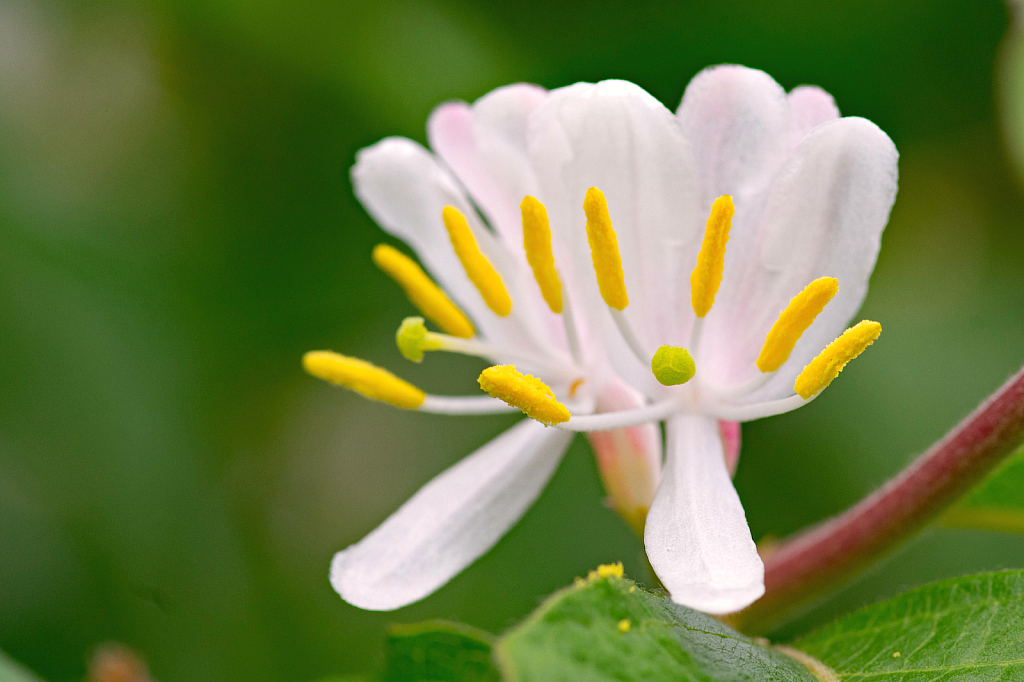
(629, 460)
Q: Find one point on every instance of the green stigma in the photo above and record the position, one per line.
(672, 366)
(413, 339)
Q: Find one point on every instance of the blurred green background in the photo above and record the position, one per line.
(177, 227)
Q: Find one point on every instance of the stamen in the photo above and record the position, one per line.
(623, 418)
(480, 271)
(458, 405)
(672, 366)
(537, 243)
(794, 321)
(604, 250)
(707, 275)
(830, 362)
(629, 336)
(529, 394)
(414, 340)
(363, 377)
(746, 413)
(422, 291)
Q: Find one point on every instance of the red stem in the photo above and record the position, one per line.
(814, 560)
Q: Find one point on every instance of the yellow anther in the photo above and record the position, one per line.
(362, 377)
(529, 394)
(422, 291)
(479, 270)
(830, 362)
(624, 625)
(413, 339)
(794, 321)
(606, 570)
(537, 242)
(672, 366)
(604, 250)
(707, 276)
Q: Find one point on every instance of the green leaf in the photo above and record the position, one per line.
(997, 503)
(440, 652)
(609, 629)
(962, 629)
(13, 672)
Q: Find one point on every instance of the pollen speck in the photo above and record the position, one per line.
(606, 570)
(624, 625)
(895, 654)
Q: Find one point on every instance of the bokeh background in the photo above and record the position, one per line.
(177, 228)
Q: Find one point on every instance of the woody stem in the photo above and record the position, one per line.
(811, 562)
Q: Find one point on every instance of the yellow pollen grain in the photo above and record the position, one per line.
(830, 362)
(604, 250)
(606, 570)
(362, 377)
(624, 625)
(529, 394)
(479, 270)
(707, 275)
(895, 654)
(422, 291)
(794, 321)
(537, 243)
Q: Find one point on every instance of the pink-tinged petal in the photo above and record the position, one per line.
(697, 536)
(824, 217)
(737, 120)
(404, 188)
(730, 433)
(629, 460)
(809, 107)
(615, 136)
(451, 521)
(485, 145)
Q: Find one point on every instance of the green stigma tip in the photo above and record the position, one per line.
(412, 338)
(672, 366)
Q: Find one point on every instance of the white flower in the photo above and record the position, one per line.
(811, 194)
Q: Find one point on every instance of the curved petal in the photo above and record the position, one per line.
(824, 217)
(737, 120)
(615, 136)
(697, 536)
(402, 186)
(451, 521)
(809, 107)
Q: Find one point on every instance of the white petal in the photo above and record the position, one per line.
(616, 137)
(737, 120)
(697, 536)
(405, 189)
(449, 522)
(809, 107)
(824, 217)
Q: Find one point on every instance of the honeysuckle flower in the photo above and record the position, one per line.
(719, 253)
